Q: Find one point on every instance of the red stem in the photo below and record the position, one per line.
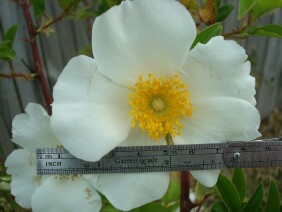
(185, 203)
(36, 55)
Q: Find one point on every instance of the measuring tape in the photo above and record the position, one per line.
(132, 159)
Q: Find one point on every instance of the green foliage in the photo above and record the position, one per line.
(239, 181)
(267, 30)
(87, 50)
(228, 193)
(151, 207)
(273, 201)
(38, 7)
(219, 207)
(245, 6)
(6, 47)
(222, 12)
(207, 34)
(171, 198)
(202, 191)
(255, 200)
(256, 8)
(83, 13)
(66, 4)
(263, 6)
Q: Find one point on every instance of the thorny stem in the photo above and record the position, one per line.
(35, 54)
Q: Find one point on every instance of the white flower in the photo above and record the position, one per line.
(144, 83)
(68, 193)
(44, 193)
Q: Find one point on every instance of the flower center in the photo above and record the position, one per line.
(159, 104)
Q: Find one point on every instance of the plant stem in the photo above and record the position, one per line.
(185, 203)
(36, 56)
(18, 75)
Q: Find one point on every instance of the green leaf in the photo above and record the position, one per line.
(109, 208)
(83, 13)
(273, 201)
(10, 34)
(239, 181)
(264, 6)
(228, 193)
(6, 53)
(219, 207)
(246, 6)
(172, 193)
(38, 7)
(201, 191)
(151, 207)
(207, 34)
(87, 50)
(254, 202)
(223, 12)
(267, 30)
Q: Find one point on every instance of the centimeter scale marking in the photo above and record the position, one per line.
(258, 153)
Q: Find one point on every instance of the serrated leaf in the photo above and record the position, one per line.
(223, 12)
(228, 193)
(267, 30)
(172, 193)
(239, 181)
(10, 34)
(246, 6)
(273, 201)
(264, 6)
(207, 34)
(38, 7)
(218, 207)
(6, 53)
(254, 202)
(201, 191)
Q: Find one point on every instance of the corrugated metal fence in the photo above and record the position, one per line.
(71, 35)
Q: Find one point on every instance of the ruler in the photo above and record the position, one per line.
(165, 158)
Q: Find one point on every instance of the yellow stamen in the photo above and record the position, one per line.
(159, 104)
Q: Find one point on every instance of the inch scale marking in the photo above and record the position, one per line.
(258, 153)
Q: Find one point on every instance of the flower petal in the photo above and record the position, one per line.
(61, 193)
(90, 112)
(219, 68)
(32, 129)
(207, 178)
(220, 119)
(127, 191)
(21, 164)
(139, 138)
(140, 36)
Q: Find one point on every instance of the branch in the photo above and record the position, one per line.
(185, 203)
(35, 54)
(234, 32)
(55, 20)
(18, 75)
